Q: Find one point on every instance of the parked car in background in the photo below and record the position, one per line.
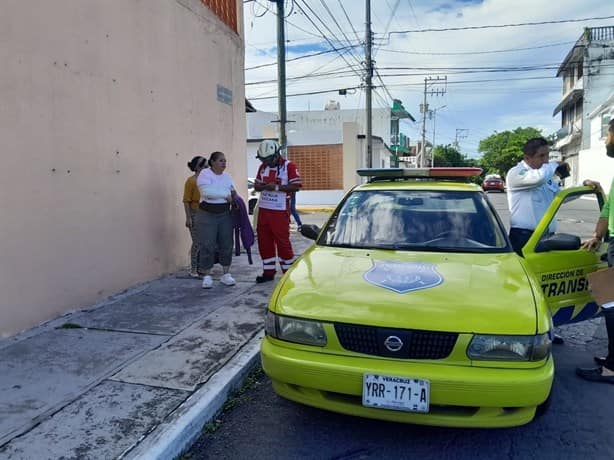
(412, 306)
(493, 182)
(253, 195)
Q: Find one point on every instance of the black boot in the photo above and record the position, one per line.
(264, 278)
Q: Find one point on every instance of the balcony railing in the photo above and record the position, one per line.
(600, 34)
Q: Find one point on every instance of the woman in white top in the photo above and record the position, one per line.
(214, 221)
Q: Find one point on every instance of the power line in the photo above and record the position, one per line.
(429, 72)
(285, 19)
(498, 26)
(545, 66)
(349, 21)
(382, 99)
(452, 82)
(392, 13)
(318, 29)
(411, 7)
(292, 80)
(337, 23)
(322, 35)
(305, 56)
(347, 73)
(343, 71)
(307, 93)
(403, 85)
(253, 8)
(313, 13)
(462, 53)
(379, 77)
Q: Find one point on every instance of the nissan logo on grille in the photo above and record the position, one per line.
(393, 343)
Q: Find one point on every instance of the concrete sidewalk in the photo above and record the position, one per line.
(136, 376)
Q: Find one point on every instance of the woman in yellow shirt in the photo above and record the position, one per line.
(191, 199)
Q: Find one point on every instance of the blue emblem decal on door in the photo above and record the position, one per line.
(403, 277)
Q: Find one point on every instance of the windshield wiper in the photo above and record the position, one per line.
(456, 249)
(400, 246)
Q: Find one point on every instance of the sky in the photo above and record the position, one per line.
(497, 78)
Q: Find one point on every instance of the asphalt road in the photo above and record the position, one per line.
(258, 424)
(264, 426)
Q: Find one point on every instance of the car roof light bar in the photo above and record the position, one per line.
(421, 173)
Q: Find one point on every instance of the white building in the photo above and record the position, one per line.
(329, 145)
(587, 87)
(592, 161)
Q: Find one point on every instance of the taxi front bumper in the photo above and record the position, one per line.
(462, 396)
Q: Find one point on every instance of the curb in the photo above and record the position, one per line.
(315, 209)
(177, 433)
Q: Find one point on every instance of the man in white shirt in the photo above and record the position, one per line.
(531, 186)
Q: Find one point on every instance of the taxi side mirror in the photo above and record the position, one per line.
(558, 242)
(310, 231)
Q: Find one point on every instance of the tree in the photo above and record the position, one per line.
(446, 155)
(501, 151)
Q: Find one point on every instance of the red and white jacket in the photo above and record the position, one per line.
(284, 173)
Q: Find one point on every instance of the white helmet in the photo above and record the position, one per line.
(267, 149)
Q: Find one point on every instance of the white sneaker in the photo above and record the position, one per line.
(228, 280)
(207, 282)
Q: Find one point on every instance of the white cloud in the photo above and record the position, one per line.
(479, 107)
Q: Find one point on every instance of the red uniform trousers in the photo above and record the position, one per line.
(273, 230)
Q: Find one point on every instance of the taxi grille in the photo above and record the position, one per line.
(416, 344)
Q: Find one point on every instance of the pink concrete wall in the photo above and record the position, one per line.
(103, 103)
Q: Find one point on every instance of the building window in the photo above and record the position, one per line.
(605, 121)
(579, 106)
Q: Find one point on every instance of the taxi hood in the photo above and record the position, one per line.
(479, 293)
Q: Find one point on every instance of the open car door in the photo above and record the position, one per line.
(554, 256)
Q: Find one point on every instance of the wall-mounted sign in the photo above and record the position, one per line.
(224, 95)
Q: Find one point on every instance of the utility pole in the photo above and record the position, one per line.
(433, 114)
(460, 134)
(424, 109)
(281, 74)
(369, 78)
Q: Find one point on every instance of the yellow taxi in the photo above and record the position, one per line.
(411, 306)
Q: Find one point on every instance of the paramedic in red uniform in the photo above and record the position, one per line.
(276, 179)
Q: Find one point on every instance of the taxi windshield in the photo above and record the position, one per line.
(416, 220)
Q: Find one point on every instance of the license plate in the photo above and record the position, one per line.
(396, 393)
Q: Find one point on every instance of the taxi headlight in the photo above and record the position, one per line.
(509, 347)
(295, 330)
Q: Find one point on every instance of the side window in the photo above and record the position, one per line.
(577, 215)
(605, 120)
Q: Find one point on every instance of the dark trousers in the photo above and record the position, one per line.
(519, 237)
(608, 314)
(215, 233)
(293, 210)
